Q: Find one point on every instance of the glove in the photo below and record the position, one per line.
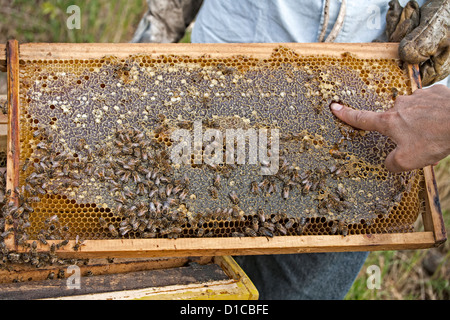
(401, 21)
(166, 20)
(424, 36)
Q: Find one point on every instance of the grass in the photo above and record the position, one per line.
(46, 21)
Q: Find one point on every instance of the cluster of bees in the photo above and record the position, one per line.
(139, 175)
(151, 199)
(15, 219)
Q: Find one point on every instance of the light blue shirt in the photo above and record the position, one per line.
(258, 21)
(287, 20)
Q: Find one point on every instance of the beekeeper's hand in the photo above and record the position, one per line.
(419, 124)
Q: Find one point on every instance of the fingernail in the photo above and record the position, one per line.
(336, 106)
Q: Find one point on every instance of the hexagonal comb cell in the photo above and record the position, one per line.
(97, 138)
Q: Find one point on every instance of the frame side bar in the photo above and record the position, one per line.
(436, 220)
(2, 58)
(13, 147)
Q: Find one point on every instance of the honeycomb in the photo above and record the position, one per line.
(97, 137)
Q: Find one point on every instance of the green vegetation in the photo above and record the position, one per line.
(45, 21)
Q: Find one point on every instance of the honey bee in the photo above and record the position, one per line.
(141, 189)
(152, 207)
(26, 164)
(178, 187)
(264, 184)
(183, 194)
(290, 223)
(125, 177)
(169, 189)
(269, 226)
(280, 228)
(43, 146)
(53, 219)
(250, 232)
(302, 225)
(216, 181)
(286, 190)
(169, 230)
(224, 69)
(135, 225)
(236, 234)
(52, 248)
(138, 137)
(153, 192)
(103, 222)
(397, 199)
(162, 193)
(272, 187)
(254, 188)
(62, 244)
(343, 228)
(125, 229)
(306, 186)
(78, 243)
(200, 232)
(261, 215)
(334, 227)
(255, 224)
(342, 193)
(42, 239)
(335, 153)
(113, 230)
(234, 197)
(136, 177)
(266, 232)
(148, 234)
(394, 92)
(214, 192)
(61, 274)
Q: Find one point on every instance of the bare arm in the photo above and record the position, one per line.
(419, 124)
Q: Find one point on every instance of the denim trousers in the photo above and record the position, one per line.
(303, 276)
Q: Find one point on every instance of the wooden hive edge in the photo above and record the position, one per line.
(432, 217)
(37, 51)
(122, 248)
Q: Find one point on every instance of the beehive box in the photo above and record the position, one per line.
(159, 278)
(98, 169)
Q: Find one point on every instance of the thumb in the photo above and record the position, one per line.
(365, 120)
(392, 161)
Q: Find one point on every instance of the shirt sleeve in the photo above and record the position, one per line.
(166, 20)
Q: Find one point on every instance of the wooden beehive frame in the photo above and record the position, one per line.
(434, 231)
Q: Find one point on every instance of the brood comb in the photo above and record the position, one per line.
(96, 139)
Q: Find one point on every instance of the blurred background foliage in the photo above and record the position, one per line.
(45, 21)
